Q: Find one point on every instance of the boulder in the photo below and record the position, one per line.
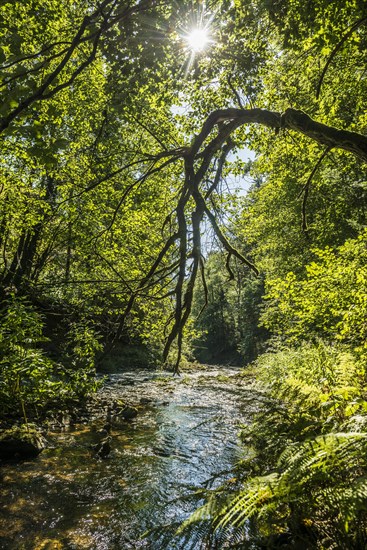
(103, 448)
(21, 442)
(119, 410)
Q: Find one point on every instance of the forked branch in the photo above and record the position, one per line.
(207, 154)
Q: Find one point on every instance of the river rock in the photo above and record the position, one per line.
(60, 420)
(103, 448)
(145, 400)
(50, 544)
(21, 442)
(128, 412)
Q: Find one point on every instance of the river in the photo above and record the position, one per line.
(184, 438)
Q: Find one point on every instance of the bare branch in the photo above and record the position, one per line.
(150, 132)
(324, 134)
(226, 244)
(292, 119)
(205, 287)
(218, 175)
(33, 55)
(228, 267)
(235, 93)
(143, 281)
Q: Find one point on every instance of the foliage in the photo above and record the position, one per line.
(228, 323)
(29, 380)
(77, 225)
(303, 480)
(330, 301)
(295, 209)
(103, 195)
(117, 147)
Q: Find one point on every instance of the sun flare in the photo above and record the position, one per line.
(198, 39)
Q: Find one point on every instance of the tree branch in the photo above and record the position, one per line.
(42, 92)
(353, 28)
(324, 134)
(293, 119)
(198, 158)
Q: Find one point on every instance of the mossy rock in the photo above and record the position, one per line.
(21, 442)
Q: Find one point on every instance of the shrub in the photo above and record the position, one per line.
(29, 380)
(329, 302)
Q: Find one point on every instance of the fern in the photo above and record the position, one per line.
(305, 476)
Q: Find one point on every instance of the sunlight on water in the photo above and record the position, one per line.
(68, 499)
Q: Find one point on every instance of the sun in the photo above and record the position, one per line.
(198, 39)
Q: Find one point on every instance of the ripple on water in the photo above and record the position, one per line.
(186, 435)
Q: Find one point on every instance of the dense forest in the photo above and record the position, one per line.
(186, 181)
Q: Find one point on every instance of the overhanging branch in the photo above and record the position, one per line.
(214, 142)
(292, 119)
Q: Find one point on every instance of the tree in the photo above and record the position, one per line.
(258, 63)
(76, 207)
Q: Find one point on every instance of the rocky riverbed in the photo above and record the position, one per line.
(167, 438)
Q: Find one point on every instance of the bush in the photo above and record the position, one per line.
(329, 302)
(29, 380)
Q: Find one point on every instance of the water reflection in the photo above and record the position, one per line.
(69, 500)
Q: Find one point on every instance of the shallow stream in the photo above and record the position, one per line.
(185, 437)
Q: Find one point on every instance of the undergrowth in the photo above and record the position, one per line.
(31, 382)
(303, 482)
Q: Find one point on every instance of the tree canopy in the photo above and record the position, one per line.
(117, 139)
